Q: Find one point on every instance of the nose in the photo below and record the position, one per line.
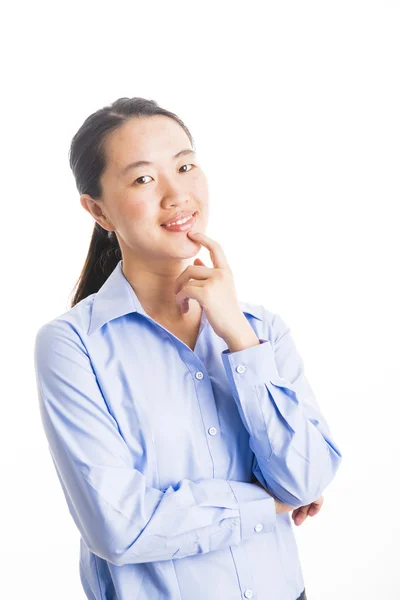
(180, 201)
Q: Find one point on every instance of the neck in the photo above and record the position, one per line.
(156, 293)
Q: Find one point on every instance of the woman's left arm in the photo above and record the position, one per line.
(296, 454)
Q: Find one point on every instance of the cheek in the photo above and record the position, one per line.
(135, 212)
(138, 220)
(199, 187)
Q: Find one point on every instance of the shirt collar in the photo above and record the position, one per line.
(116, 298)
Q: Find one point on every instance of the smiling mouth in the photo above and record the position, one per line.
(183, 227)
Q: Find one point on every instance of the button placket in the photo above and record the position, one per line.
(211, 430)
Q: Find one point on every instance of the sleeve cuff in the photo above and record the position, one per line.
(256, 507)
(252, 365)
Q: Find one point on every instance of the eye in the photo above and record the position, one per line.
(190, 164)
(143, 176)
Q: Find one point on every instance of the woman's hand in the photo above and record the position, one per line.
(299, 514)
(214, 289)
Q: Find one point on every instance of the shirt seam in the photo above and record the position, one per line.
(98, 577)
(283, 335)
(176, 578)
(239, 508)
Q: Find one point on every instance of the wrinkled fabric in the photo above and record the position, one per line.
(157, 447)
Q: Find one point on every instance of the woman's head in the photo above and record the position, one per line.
(130, 204)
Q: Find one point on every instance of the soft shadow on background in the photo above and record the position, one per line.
(294, 111)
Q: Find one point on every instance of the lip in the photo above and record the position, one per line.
(180, 215)
(185, 227)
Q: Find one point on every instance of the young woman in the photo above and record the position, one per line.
(179, 418)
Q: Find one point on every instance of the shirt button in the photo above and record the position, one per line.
(258, 527)
(240, 369)
(199, 375)
(212, 431)
(248, 594)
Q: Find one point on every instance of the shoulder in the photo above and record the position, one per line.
(271, 324)
(73, 323)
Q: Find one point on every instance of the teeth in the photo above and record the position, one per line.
(181, 221)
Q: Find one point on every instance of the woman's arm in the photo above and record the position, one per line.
(120, 516)
(280, 507)
(297, 456)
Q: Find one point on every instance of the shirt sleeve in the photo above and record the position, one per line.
(296, 455)
(120, 517)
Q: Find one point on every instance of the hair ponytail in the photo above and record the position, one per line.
(87, 161)
(103, 256)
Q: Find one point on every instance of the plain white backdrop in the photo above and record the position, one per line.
(294, 109)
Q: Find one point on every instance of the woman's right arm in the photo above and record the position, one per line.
(120, 517)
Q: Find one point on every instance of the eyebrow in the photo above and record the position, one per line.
(140, 163)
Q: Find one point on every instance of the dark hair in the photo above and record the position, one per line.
(88, 161)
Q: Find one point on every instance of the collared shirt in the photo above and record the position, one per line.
(155, 447)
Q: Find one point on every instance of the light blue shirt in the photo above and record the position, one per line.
(155, 447)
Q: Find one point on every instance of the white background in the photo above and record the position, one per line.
(294, 109)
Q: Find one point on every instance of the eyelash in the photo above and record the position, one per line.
(134, 183)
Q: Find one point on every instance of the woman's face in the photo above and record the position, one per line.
(136, 201)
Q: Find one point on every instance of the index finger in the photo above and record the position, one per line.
(217, 254)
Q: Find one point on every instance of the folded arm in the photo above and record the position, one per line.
(120, 517)
(296, 455)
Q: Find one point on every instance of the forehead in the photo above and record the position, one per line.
(153, 138)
